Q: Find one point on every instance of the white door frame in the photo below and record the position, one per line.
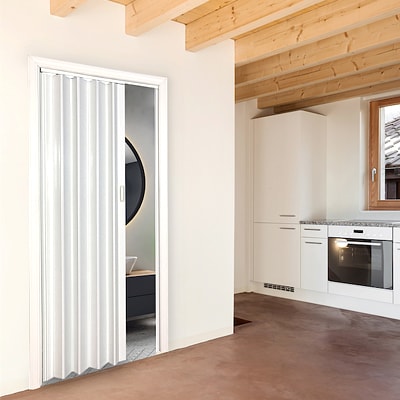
(161, 206)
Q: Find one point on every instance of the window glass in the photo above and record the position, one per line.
(390, 157)
(384, 155)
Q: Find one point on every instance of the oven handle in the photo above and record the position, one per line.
(364, 243)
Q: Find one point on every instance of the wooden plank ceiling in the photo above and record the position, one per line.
(289, 54)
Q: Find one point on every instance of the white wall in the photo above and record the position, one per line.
(347, 161)
(140, 130)
(201, 163)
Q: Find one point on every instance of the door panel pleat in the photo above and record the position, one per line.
(70, 207)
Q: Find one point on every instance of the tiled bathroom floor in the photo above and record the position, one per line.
(140, 338)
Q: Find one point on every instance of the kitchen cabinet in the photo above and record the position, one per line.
(277, 254)
(314, 258)
(289, 170)
(396, 265)
(289, 175)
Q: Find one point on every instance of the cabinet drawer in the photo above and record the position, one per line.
(140, 305)
(140, 285)
(318, 231)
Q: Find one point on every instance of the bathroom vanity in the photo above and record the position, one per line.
(140, 293)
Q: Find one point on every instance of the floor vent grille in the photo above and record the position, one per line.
(279, 287)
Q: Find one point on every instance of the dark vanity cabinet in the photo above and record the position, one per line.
(140, 293)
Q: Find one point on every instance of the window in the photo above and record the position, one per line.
(384, 154)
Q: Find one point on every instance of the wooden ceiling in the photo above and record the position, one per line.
(289, 54)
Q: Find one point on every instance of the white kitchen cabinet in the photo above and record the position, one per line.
(277, 254)
(289, 175)
(289, 170)
(396, 265)
(314, 258)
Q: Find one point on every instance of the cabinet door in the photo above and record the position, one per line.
(277, 254)
(314, 264)
(396, 273)
(276, 170)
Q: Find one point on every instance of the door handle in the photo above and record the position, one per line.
(373, 173)
(372, 244)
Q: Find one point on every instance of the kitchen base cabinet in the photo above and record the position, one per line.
(396, 265)
(314, 264)
(277, 254)
(396, 273)
(314, 257)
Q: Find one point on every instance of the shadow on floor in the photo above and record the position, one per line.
(239, 321)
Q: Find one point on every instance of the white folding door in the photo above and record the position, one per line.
(83, 222)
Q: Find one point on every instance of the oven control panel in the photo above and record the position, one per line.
(360, 232)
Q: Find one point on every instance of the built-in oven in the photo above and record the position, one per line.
(360, 255)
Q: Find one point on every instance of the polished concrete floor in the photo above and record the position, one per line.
(290, 350)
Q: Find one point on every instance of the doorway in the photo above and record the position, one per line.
(140, 118)
(36, 234)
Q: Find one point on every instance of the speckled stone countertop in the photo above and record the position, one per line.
(352, 222)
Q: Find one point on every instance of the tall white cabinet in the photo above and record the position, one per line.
(289, 185)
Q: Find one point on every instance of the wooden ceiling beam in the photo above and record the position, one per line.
(143, 15)
(200, 11)
(356, 81)
(377, 34)
(373, 59)
(365, 91)
(330, 18)
(62, 8)
(123, 2)
(239, 17)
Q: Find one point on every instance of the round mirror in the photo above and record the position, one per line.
(134, 181)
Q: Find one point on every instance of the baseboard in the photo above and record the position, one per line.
(333, 300)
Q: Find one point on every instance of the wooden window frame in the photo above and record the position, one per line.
(374, 202)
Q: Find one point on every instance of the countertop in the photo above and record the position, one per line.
(353, 222)
(140, 272)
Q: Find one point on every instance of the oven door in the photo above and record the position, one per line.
(360, 262)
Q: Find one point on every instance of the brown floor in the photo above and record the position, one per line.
(290, 350)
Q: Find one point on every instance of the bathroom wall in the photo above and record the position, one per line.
(140, 130)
